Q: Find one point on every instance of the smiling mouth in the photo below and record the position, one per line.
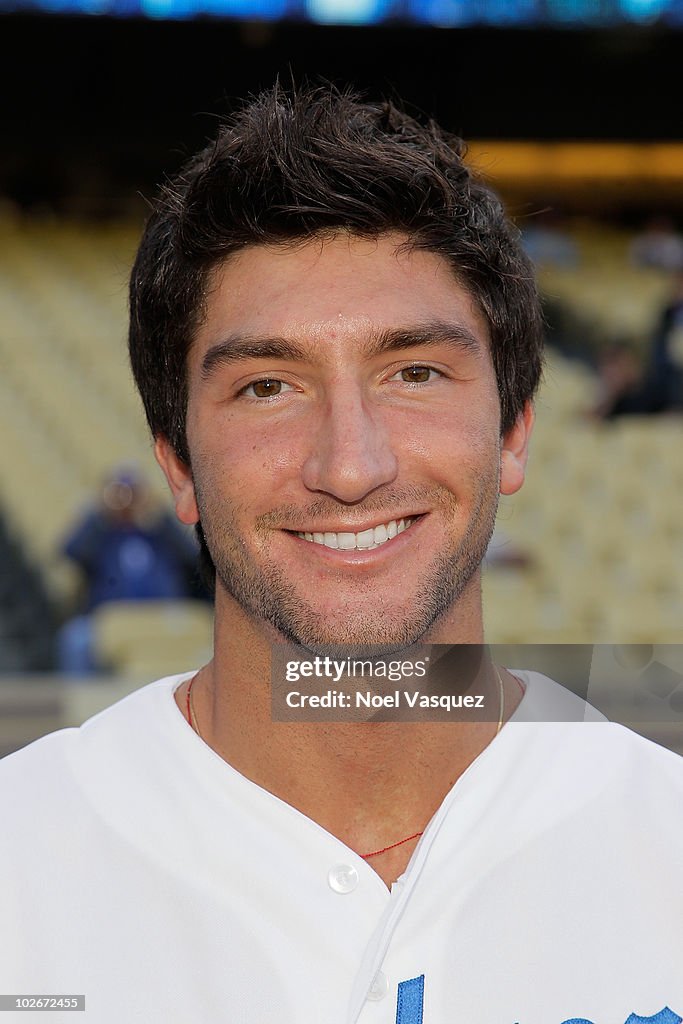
(366, 540)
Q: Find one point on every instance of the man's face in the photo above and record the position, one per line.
(343, 424)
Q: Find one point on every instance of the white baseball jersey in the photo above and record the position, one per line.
(141, 870)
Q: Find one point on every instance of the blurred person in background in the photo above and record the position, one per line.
(664, 374)
(621, 384)
(632, 385)
(127, 548)
(548, 242)
(659, 245)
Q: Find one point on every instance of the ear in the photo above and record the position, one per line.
(179, 477)
(515, 451)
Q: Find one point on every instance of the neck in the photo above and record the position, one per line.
(350, 777)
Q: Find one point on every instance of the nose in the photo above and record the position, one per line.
(351, 452)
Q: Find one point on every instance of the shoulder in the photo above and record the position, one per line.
(547, 701)
(574, 740)
(55, 771)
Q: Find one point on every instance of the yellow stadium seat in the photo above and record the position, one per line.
(149, 639)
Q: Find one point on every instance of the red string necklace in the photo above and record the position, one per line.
(376, 853)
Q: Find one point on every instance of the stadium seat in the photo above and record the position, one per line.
(149, 639)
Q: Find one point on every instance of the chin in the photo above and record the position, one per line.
(351, 641)
(352, 631)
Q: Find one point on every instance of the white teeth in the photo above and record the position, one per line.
(366, 540)
(380, 534)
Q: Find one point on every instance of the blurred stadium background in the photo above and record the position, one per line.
(571, 108)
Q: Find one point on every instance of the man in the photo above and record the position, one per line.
(127, 549)
(337, 340)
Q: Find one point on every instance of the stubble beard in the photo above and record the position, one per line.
(266, 595)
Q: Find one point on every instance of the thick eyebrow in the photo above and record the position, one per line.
(238, 348)
(434, 332)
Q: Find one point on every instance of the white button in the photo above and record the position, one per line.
(379, 987)
(343, 878)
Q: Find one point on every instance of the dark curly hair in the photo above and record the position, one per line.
(290, 166)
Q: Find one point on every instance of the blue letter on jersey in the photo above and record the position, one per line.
(411, 1002)
(665, 1016)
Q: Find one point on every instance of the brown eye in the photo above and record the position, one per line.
(416, 374)
(265, 388)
